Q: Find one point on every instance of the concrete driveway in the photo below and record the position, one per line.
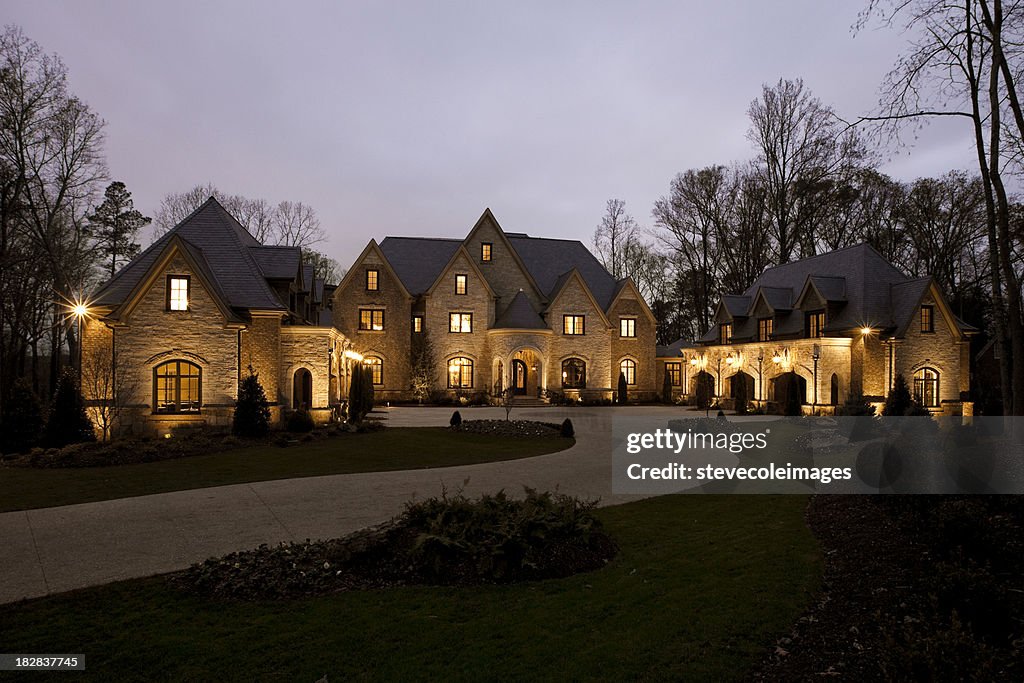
(58, 549)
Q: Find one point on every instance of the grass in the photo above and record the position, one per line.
(702, 587)
(390, 449)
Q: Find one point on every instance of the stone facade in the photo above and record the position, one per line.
(420, 280)
(875, 324)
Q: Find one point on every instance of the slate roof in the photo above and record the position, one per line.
(229, 257)
(277, 263)
(520, 314)
(675, 349)
(419, 260)
(861, 287)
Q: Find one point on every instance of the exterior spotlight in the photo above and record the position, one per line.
(693, 361)
(80, 310)
(352, 355)
(865, 331)
(776, 359)
(730, 360)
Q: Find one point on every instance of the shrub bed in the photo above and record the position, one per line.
(446, 540)
(524, 428)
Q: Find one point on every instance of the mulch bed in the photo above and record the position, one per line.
(513, 428)
(877, 616)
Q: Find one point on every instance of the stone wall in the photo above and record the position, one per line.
(151, 335)
(502, 271)
(941, 350)
(594, 346)
(641, 348)
(442, 301)
(392, 345)
(261, 349)
(306, 347)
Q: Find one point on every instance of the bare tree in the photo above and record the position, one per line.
(958, 65)
(802, 151)
(615, 238)
(296, 225)
(108, 386)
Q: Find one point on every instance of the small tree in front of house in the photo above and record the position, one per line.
(739, 394)
(68, 422)
(252, 410)
(898, 402)
(508, 400)
(623, 389)
(703, 392)
(107, 386)
(422, 362)
(666, 388)
(360, 394)
(22, 419)
(793, 405)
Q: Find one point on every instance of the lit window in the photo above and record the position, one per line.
(927, 319)
(926, 387)
(176, 387)
(675, 373)
(460, 322)
(627, 327)
(765, 328)
(460, 284)
(573, 324)
(372, 280)
(574, 373)
(371, 319)
(417, 323)
(177, 292)
(460, 373)
(628, 369)
(725, 333)
(816, 324)
(376, 366)
(485, 251)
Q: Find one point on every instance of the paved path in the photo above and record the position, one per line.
(53, 550)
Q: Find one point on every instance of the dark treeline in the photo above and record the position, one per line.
(719, 227)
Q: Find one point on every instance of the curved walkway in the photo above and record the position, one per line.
(52, 550)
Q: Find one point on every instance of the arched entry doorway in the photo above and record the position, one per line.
(789, 388)
(302, 389)
(519, 376)
(741, 390)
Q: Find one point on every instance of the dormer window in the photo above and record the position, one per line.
(460, 284)
(816, 324)
(178, 292)
(725, 333)
(765, 328)
(372, 279)
(485, 252)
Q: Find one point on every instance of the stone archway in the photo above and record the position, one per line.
(302, 389)
(526, 372)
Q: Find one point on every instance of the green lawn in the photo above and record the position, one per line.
(701, 589)
(391, 449)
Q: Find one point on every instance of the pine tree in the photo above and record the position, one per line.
(739, 393)
(252, 410)
(666, 388)
(793, 406)
(623, 389)
(897, 403)
(22, 419)
(115, 224)
(360, 393)
(68, 421)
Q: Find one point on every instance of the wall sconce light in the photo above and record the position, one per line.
(352, 355)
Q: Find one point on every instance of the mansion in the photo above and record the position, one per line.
(838, 324)
(178, 328)
(184, 322)
(500, 310)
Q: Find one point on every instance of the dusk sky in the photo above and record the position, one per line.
(411, 118)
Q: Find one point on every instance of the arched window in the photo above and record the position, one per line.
(376, 366)
(177, 387)
(628, 368)
(926, 387)
(460, 373)
(574, 373)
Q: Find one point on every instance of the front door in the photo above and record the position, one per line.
(519, 377)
